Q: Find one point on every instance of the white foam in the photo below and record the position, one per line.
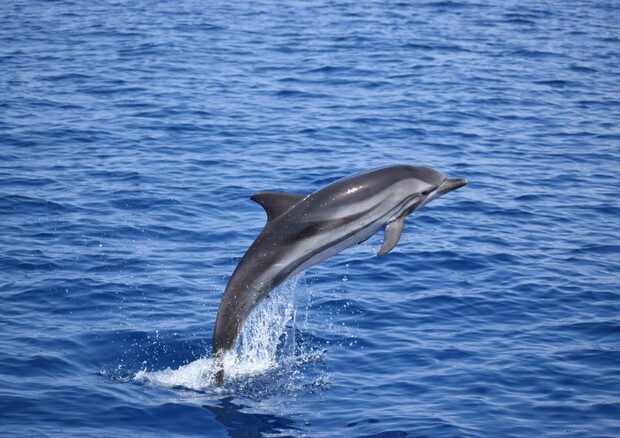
(195, 375)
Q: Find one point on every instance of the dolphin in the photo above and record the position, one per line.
(303, 230)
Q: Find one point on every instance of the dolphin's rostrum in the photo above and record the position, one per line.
(303, 230)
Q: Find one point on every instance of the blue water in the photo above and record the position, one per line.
(133, 133)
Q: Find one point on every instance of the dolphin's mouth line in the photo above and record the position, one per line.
(450, 184)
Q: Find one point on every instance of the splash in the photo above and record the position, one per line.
(268, 331)
(266, 343)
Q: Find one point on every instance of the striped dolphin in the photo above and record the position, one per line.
(303, 230)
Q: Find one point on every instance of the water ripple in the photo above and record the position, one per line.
(133, 135)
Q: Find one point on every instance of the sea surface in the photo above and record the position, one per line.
(132, 135)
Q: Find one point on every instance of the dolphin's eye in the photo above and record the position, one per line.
(426, 192)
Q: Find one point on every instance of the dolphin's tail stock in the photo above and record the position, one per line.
(218, 368)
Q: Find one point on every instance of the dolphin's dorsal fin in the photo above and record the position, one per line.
(391, 235)
(276, 203)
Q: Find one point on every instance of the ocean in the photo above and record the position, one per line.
(132, 135)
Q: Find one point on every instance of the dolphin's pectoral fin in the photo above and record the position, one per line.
(276, 203)
(391, 235)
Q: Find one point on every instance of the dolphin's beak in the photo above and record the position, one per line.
(450, 184)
